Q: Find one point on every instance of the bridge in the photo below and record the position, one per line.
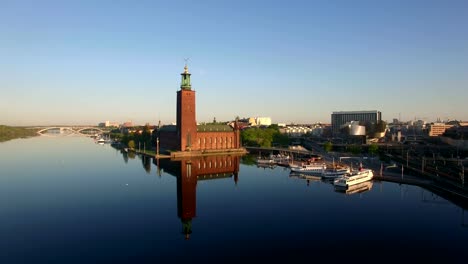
(71, 130)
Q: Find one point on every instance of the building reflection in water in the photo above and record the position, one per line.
(191, 170)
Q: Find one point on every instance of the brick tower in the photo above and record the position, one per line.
(186, 122)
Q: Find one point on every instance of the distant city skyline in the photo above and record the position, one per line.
(86, 62)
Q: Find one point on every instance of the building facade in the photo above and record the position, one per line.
(437, 129)
(186, 135)
(338, 119)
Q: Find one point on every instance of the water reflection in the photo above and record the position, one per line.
(308, 178)
(191, 170)
(146, 162)
(356, 188)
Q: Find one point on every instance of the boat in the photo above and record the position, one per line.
(312, 168)
(334, 172)
(281, 159)
(261, 160)
(100, 141)
(266, 165)
(355, 177)
(265, 160)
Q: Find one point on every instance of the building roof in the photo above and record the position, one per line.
(213, 128)
(356, 112)
(168, 128)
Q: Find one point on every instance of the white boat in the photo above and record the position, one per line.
(265, 161)
(334, 173)
(281, 159)
(100, 141)
(266, 165)
(314, 168)
(354, 177)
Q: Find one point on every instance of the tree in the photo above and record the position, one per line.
(328, 146)
(145, 137)
(355, 149)
(263, 137)
(131, 144)
(381, 126)
(373, 149)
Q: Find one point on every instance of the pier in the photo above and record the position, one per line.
(297, 152)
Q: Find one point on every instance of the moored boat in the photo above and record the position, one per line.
(354, 177)
(265, 161)
(334, 173)
(313, 168)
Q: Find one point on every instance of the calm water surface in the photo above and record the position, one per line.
(69, 200)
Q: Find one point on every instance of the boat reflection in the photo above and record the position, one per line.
(356, 188)
(307, 177)
(266, 166)
(191, 170)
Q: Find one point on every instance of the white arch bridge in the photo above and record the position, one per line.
(70, 130)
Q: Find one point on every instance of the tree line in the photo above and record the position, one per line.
(263, 137)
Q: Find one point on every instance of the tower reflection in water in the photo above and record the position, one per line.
(188, 172)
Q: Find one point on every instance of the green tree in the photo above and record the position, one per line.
(145, 137)
(373, 149)
(328, 146)
(355, 149)
(263, 137)
(131, 144)
(381, 126)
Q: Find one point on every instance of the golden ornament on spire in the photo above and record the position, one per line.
(186, 69)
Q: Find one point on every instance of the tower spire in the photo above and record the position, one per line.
(185, 83)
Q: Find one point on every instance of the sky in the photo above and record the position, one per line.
(85, 62)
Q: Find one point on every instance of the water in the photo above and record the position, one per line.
(69, 200)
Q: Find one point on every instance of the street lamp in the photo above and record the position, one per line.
(157, 147)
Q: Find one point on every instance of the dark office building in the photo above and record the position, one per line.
(338, 119)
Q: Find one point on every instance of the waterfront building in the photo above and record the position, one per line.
(259, 121)
(109, 124)
(338, 119)
(437, 129)
(187, 136)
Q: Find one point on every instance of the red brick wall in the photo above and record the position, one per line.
(217, 140)
(186, 120)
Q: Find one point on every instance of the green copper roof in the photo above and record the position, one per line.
(185, 83)
(214, 128)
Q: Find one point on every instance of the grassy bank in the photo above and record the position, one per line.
(9, 133)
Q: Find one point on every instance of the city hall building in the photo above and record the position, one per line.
(187, 137)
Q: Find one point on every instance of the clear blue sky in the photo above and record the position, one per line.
(84, 62)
